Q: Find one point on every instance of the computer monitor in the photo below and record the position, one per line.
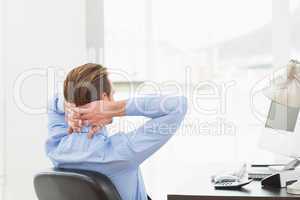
(281, 133)
(282, 117)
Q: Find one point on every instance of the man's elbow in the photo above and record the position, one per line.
(178, 116)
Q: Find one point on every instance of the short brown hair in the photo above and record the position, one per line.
(86, 83)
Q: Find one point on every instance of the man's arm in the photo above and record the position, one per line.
(57, 127)
(167, 114)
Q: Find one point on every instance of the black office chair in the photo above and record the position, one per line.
(71, 184)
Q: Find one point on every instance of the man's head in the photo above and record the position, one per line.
(87, 83)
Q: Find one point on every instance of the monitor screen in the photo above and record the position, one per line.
(282, 117)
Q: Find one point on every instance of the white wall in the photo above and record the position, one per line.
(38, 34)
(2, 104)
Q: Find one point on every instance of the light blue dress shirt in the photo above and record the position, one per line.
(120, 155)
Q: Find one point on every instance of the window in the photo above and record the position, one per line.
(125, 36)
(219, 45)
(294, 28)
(224, 48)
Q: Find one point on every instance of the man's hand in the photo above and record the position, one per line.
(72, 117)
(97, 114)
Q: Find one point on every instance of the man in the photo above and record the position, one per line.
(89, 103)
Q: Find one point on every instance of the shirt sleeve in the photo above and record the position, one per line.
(57, 127)
(166, 115)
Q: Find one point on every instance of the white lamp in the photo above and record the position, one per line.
(285, 87)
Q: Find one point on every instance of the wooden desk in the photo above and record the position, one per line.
(199, 187)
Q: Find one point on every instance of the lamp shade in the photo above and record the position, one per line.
(284, 87)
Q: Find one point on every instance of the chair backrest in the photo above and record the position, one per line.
(71, 184)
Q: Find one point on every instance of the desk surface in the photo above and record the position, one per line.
(199, 187)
